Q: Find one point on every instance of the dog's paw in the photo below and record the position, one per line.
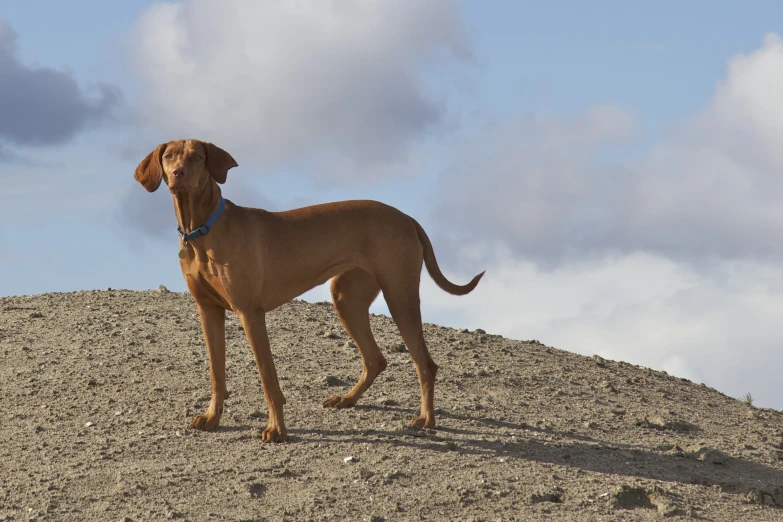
(422, 421)
(274, 434)
(339, 402)
(205, 422)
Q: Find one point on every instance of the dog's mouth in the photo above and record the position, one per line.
(178, 187)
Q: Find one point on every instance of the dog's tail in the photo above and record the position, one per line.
(434, 270)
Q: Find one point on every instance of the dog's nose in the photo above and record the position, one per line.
(179, 172)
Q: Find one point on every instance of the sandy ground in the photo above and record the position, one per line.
(98, 389)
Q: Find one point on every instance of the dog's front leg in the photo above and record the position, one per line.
(213, 323)
(255, 329)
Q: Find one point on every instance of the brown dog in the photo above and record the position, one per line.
(251, 261)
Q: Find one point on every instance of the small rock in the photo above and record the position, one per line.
(174, 514)
(712, 456)
(554, 495)
(256, 489)
(398, 348)
(89, 424)
(660, 499)
(349, 344)
(754, 496)
(162, 290)
(464, 330)
(92, 382)
(657, 422)
(286, 473)
(376, 518)
(255, 414)
(350, 460)
(330, 335)
(480, 331)
(608, 387)
(629, 497)
(331, 380)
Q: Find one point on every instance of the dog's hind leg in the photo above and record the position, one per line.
(404, 305)
(352, 294)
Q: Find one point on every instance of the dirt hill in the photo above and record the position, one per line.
(98, 390)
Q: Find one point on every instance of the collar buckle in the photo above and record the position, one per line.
(203, 229)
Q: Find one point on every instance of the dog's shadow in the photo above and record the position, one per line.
(733, 475)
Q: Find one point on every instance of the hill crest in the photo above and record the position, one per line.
(100, 387)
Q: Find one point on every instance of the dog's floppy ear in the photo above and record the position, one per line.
(218, 162)
(150, 171)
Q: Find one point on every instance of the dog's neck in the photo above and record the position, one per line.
(193, 210)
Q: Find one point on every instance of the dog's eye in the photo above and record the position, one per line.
(197, 157)
(169, 156)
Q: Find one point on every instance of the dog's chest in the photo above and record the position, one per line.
(206, 279)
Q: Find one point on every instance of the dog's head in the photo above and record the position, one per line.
(186, 165)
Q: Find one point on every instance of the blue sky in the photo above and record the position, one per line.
(613, 165)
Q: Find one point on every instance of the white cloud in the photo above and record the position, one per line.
(551, 190)
(721, 327)
(334, 82)
(747, 109)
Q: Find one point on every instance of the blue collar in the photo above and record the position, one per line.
(203, 229)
